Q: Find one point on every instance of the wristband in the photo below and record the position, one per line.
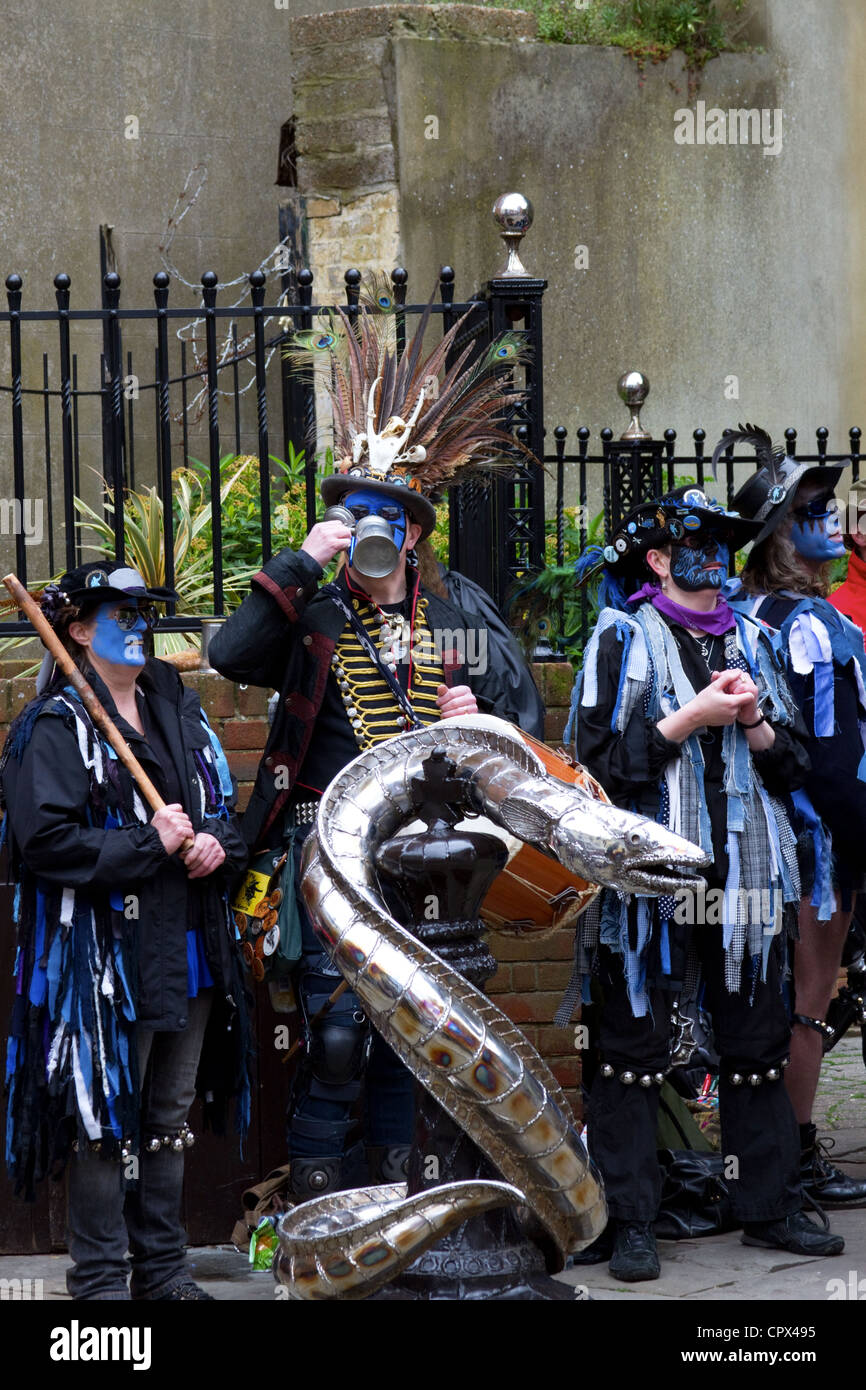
(756, 725)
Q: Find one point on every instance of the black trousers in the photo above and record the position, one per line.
(759, 1130)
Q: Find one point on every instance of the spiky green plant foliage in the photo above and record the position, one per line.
(144, 541)
(240, 509)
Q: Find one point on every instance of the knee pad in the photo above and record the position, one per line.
(310, 1177)
(338, 1052)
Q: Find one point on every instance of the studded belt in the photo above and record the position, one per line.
(303, 812)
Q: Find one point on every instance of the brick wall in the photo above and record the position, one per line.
(531, 976)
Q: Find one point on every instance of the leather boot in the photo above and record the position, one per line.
(795, 1233)
(635, 1254)
(823, 1182)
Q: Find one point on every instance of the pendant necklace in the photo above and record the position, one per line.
(705, 643)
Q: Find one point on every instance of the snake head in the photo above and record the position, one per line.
(621, 850)
(604, 844)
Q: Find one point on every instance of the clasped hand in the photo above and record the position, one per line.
(174, 827)
(455, 700)
(731, 697)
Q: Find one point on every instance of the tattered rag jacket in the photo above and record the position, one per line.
(826, 671)
(637, 669)
(102, 916)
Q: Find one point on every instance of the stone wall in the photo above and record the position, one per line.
(735, 279)
(729, 273)
(532, 975)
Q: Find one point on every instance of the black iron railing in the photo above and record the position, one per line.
(216, 377)
(222, 378)
(623, 474)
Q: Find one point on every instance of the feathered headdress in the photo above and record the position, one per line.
(768, 495)
(407, 425)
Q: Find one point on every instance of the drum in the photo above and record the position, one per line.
(534, 893)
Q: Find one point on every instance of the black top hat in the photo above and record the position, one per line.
(769, 494)
(100, 581)
(686, 511)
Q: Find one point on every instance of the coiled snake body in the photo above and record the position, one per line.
(459, 1045)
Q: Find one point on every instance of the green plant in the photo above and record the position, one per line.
(144, 543)
(646, 29)
(549, 603)
(19, 648)
(839, 571)
(241, 509)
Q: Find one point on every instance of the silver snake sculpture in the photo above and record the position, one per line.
(460, 1046)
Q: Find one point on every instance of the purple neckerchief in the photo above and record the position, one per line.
(718, 621)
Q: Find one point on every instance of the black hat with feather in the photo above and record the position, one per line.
(408, 425)
(769, 494)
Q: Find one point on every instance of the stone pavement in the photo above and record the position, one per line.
(718, 1268)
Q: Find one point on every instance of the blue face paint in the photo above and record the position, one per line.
(369, 503)
(700, 567)
(123, 647)
(817, 537)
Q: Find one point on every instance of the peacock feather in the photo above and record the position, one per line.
(411, 411)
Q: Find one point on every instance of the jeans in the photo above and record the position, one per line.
(106, 1217)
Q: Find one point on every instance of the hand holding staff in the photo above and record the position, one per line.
(118, 742)
(91, 701)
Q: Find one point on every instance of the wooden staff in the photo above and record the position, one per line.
(91, 701)
(326, 1007)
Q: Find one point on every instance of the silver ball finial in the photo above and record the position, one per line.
(514, 215)
(633, 388)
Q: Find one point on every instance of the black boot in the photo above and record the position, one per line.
(821, 1180)
(795, 1233)
(635, 1255)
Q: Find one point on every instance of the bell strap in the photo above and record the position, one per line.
(820, 1026)
(362, 635)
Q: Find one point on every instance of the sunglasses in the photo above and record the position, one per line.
(394, 513)
(126, 618)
